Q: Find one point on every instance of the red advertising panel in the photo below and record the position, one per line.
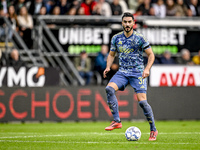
(90, 103)
(86, 103)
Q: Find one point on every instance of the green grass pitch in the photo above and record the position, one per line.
(91, 135)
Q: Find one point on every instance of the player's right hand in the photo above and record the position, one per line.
(105, 72)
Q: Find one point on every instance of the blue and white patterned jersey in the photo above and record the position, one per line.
(130, 51)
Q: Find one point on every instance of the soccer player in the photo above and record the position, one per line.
(129, 45)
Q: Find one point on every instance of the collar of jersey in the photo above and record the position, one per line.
(129, 36)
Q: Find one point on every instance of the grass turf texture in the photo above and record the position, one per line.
(91, 135)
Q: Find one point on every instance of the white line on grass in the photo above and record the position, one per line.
(84, 133)
(92, 142)
(29, 136)
(181, 133)
(17, 133)
(35, 135)
(96, 133)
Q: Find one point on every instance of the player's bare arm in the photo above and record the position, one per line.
(110, 60)
(151, 58)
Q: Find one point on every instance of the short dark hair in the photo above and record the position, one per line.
(127, 14)
(83, 52)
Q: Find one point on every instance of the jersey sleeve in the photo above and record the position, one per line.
(113, 44)
(144, 43)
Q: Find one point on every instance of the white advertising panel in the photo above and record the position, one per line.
(175, 76)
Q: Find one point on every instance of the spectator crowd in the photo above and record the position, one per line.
(21, 12)
(160, 8)
(185, 58)
(85, 67)
(86, 70)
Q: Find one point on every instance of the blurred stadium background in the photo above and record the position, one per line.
(49, 88)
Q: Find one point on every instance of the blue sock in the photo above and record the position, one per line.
(148, 113)
(113, 103)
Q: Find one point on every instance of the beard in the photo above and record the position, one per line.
(127, 30)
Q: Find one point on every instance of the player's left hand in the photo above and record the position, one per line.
(105, 72)
(145, 73)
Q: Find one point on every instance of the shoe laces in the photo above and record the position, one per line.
(152, 134)
(113, 122)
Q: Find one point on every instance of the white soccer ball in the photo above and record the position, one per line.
(133, 134)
